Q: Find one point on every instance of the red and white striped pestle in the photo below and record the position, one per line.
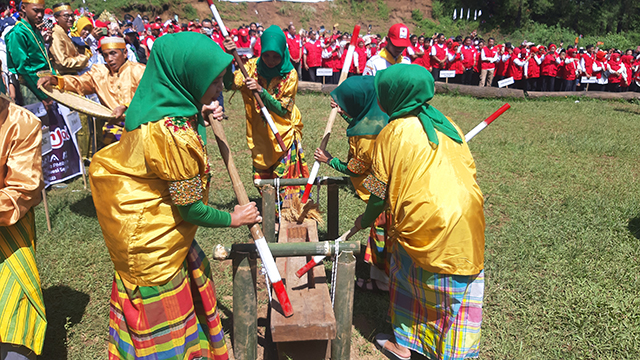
(334, 112)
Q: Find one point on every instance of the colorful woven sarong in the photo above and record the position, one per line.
(292, 165)
(436, 315)
(112, 133)
(376, 252)
(178, 320)
(22, 314)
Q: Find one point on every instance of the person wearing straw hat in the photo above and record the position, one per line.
(423, 172)
(27, 53)
(358, 105)
(23, 321)
(151, 192)
(115, 84)
(275, 79)
(63, 53)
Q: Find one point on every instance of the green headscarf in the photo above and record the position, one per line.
(357, 97)
(273, 39)
(404, 90)
(178, 73)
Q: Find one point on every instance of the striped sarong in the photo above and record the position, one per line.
(22, 314)
(376, 252)
(436, 315)
(292, 165)
(178, 320)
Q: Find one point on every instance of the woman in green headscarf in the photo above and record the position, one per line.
(150, 191)
(358, 105)
(274, 77)
(423, 172)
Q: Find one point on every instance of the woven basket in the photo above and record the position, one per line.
(79, 103)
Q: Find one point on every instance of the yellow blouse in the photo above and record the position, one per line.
(20, 163)
(265, 150)
(432, 194)
(360, 160)
(112, 89)
(133, 183)
(64, 55)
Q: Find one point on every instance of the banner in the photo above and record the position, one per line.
(63, 162)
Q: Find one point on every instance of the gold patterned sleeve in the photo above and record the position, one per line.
(20, 189)
(82, 84)
(361, 153)
(175, 153)
(377, 181)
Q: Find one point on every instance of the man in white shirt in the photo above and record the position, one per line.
(397, 41)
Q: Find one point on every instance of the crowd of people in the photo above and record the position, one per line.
(163, 82)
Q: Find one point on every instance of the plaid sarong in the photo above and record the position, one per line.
(436, 315)
(178, 320)
(376, 252)
(292, 165)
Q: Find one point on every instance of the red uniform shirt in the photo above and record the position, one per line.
(549, 66)
(441, 54)
(295, 44)
(314, 53)
(488, 54)
(533, 69)
(469, 56)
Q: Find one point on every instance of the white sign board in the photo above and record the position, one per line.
(37, 109)
(324, 72)
(447, 74)
(589, 80)
(46, 140)
(506, 82)
(73, 121)
(245, 51)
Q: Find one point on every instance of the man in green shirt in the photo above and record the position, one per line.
(26, 50)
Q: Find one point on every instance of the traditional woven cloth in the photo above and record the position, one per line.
(112, 133)
(437, 315)
(178, 320)
(292, 165)
(22, 313)
(376, 252)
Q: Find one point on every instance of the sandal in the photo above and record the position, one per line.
(373, 288)
(381, 341)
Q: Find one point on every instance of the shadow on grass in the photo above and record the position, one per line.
(634, 227)
(84, 207)
(65, 308)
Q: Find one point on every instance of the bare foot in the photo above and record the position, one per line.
(372, 285)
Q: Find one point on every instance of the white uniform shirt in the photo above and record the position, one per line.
(377, 63)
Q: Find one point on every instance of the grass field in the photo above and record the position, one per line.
(562, 190)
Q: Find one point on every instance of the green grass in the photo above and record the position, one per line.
(562, 209)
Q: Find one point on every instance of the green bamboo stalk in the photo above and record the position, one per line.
(343, 306)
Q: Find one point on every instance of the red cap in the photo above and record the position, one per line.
(570, 52)
(552, 46)
(243, 32)
(48, 11)
(600, 55)
(100, 24)
(399, 35)
(156, 26)
(191, 23)
(76, 12)
(534, 49)
(12, 3)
